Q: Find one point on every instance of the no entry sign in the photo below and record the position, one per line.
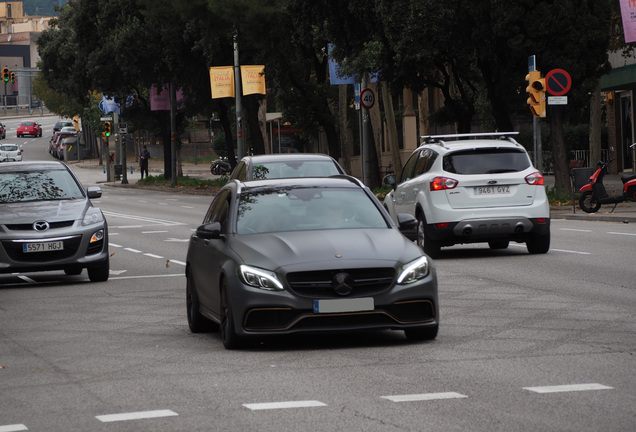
(558, 82)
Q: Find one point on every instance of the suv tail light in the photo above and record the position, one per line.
(535, 179)
(443, 183)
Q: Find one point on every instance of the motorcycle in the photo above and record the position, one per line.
(220, 167)
(594, 194)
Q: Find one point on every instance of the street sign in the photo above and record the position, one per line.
(123, 128)
(558, 82)
(532, 63)
(367, 98)
(106, 118)
(557, 100)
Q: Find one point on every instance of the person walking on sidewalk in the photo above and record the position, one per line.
(143, 161)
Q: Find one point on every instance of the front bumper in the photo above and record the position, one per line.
(282, 312)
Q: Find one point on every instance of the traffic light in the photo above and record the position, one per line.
(12, 77)
(5, 74)
(536, 93)
(107, 129)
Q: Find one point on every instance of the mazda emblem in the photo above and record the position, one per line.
(40, 226)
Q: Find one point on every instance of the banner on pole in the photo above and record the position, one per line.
(253, 79)
(222, 81)
(628, 12)
(160, 98)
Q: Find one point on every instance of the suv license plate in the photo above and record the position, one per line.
(492, 190)
(43, 246)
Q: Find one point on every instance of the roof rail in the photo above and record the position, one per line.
(441, 139)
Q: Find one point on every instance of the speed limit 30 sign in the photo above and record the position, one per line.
(367, 98)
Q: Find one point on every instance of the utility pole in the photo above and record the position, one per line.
(173, 133)
(237, 92)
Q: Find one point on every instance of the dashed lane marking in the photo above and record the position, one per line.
(424, 397)
(568, 388)
(135, 415)
(13, 428)
(152, 255)
(284, 405)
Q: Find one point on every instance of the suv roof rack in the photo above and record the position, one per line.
(441, 139)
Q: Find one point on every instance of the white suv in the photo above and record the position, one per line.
(472, 188)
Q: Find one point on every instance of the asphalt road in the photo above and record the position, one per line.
(526, 342)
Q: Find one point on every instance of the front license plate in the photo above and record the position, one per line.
(344, 305)
(492, 190)
(43, 246)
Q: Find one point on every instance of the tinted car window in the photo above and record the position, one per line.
(289, 209)
(486, 161)
(292, 169)
(35, 186)
(407, 171)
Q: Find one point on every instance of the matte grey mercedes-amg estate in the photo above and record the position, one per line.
(306, 255)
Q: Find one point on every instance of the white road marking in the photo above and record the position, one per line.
(187, 207)
(150, 220)
(177, 240)
(132, 250)
(115, 245)
(571, 251)
(575, 230)
(622, 233)
(146, 276)
(117, 272)
(13, 428)
(283, 405)
(178, 262)
(424, 397)
(135, 415)
(152, 255)
(153, 232)
(568, 388)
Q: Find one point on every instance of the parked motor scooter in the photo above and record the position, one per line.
(220, 167)
(594, 194)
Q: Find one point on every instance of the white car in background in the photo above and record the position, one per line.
(472, 188)
(10, 153)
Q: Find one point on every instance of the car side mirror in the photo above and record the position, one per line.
(94, 192)
(406, 222)
(211, 231)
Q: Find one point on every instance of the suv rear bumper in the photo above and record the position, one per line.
(480, 230)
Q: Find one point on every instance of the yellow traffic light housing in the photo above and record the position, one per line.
(12, 77)
(107, 129)
(536, 93)
(5, 74)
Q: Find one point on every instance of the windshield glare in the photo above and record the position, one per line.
(294, 169)
(306, 209)
(36, 186)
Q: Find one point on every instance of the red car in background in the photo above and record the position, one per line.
(29, 127)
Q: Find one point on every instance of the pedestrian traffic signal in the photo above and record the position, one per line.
(12, 77)
(5, 74)
(107, 129)
(536, 93)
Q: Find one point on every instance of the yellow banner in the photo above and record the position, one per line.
(253, 79)
(222, 81)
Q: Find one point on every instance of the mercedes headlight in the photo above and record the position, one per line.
(260, 278)
(414, 271)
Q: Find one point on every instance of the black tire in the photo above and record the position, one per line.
(421, 333)
(431, 248)
(588, 202)
(538, 243)
(99, 273)
(197, 322)
(228, 334)
(498, 244)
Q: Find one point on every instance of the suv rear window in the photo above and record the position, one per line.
(486, 161)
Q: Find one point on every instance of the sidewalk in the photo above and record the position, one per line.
(90, 172)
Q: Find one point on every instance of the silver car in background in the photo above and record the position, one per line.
(47, 222)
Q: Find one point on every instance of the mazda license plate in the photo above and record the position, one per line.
(43, 246)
